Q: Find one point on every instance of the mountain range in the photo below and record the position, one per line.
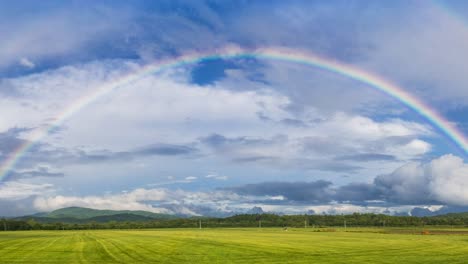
(86, 215)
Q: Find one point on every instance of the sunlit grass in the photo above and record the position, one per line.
(269, 245)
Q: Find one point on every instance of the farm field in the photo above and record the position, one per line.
(268, 245)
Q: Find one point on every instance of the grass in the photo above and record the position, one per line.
(268, 245)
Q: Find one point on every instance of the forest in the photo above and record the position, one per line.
(242, 220)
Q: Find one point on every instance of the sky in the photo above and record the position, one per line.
(228, 135)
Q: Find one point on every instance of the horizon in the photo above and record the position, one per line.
(216, 108)
(416, 212)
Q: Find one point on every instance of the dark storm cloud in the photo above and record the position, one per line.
(311, 192)
(385, 189)
(316, 192)
(357, 192)
(396, 188)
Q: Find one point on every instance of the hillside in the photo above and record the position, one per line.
(85, 213)
(457, 215)
(77, 215)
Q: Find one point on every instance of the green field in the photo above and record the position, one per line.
(269, 245)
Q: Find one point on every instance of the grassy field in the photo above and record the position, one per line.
(232, 246)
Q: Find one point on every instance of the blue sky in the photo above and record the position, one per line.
(222, 136)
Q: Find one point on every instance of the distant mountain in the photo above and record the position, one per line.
(458, 215)
(255, 210)
(85, 215)
(444, 210)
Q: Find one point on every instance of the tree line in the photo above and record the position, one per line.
(248, 220)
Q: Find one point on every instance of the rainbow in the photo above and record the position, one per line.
(300, 57)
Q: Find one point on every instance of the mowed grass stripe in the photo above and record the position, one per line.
(206, 244)
(269, 245)
(329, 253)
(34, 250)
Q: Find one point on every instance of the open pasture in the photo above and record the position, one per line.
(268, 245)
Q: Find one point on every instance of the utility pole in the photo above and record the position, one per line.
(345, 224)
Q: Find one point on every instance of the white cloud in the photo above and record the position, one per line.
(27, 63)
(134, 200)
(442, 180)
(154, 200)
(448, 180)
(215, 176)
(18, 190)
(164, 108)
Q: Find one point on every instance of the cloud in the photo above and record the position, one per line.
(26, 63)
(133, 200)
(263, 118)
(216, 176)
(10, 141)
(367, 157)
(165, 149)
(159, 200)
(441, 180)
(156, 200)
(12, 208)
(437, 210)
(42, 158)
(314, 192)
(158, 149)
(38, 172)
(430, 42)
(325, 144)
(52, 31)
(17, 190)
(360, 193)
(206, 118)
(438, 184)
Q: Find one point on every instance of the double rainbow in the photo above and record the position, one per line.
(304, 58)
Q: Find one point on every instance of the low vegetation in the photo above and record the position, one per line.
(76, 218)
(248, 245)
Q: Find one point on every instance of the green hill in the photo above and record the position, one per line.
(98, 219)
(80, 215)
(86, 213)
(456, 215)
